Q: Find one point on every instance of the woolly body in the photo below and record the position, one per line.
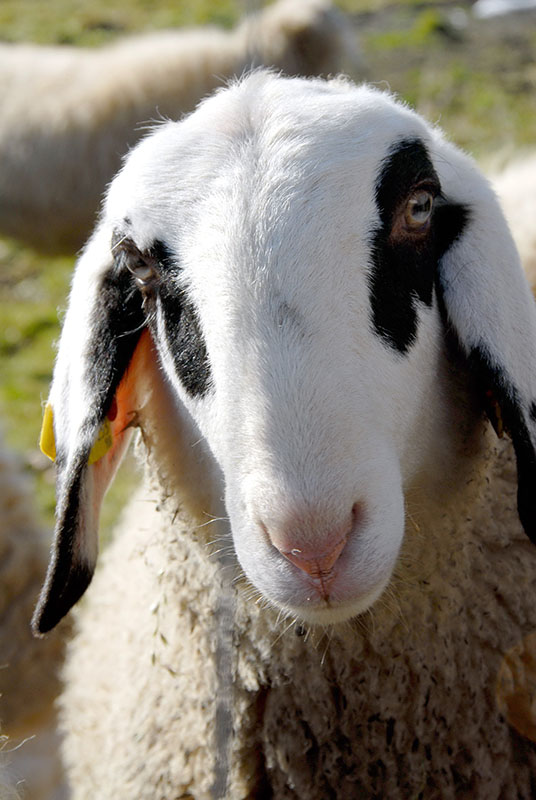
(398, 703)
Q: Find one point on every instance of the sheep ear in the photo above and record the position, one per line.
(488, 305)
(93, 401)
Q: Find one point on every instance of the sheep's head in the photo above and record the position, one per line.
(294, 252)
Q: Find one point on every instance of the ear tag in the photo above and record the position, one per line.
(47, 443)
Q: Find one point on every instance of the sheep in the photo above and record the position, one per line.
(29, 670)
(307, 301)
(69, 114)
(516, 186)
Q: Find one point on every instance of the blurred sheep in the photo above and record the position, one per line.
(69, 114)
(516, 187)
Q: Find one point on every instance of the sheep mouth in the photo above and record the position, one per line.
(306, 599)
(332, 612)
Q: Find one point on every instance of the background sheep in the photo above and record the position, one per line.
(69, 114)
(29, 680)
(516, 187)
(399, 702)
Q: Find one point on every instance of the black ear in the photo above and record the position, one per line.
(93, 399)
(488, 305)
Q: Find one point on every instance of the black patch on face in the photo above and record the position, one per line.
(491, 377)
(404, 268)
(183, 331)
(186, 342)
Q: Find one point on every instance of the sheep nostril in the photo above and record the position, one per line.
(317, 564)
(311, 544)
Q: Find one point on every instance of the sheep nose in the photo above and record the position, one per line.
(313, 546)
(317, 564)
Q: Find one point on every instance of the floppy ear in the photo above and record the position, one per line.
(93, 401)
(487, 303)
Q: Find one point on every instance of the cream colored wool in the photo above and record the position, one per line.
(70, 114)
(398, 704)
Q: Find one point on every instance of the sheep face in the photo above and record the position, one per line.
(292, 308)
(293, 249)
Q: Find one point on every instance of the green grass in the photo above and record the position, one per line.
(94, 22)
(32, 289)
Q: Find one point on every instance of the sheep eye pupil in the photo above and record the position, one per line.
(419, 209)
(141, 269)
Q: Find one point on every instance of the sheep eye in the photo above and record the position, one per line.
(419, 210)
(141, 267)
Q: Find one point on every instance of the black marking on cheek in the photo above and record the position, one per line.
(450, 222)
(404, 269)
(532, 411)
(167, 262)
(186, 342)
(184, 337)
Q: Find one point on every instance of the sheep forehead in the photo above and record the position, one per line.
(269, 205)
(286, 132)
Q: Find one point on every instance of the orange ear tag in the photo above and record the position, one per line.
(47, 442)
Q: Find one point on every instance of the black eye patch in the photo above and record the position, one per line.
(164, 298)
(404, 268)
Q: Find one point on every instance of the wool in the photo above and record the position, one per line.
(400, 703)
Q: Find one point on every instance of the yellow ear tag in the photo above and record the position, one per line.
(47, 442)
